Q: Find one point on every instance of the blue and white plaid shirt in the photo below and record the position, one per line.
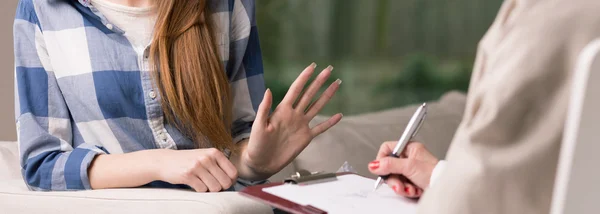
(82, 89)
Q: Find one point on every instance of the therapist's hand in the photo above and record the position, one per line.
(415, 163)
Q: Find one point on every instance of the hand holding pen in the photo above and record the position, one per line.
(405, 167)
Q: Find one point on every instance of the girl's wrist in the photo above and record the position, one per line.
(240, 161)
(154, 160)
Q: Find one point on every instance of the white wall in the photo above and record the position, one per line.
(7, 118)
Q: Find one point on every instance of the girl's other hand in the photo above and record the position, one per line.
(205, 170)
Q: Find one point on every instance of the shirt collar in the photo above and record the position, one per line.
(86, 7)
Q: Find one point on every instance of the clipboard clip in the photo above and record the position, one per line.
(306, 177)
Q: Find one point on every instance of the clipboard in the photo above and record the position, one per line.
(301, 177)
(320, 192)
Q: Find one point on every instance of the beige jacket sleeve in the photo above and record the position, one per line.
(504, 154)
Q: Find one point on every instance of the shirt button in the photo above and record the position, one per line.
(109, 26)
(146, 53)
(152, 94)
(163, 136)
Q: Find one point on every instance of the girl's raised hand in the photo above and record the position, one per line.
(278, 138)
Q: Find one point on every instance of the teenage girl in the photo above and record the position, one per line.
(127, 93)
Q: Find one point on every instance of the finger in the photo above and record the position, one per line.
(196, 184)
(390, 165)
(313, 89)
(410, 190)
(262, 115)
(217, 172)
(225, 165)
(386, 149)
(324, 126)
(208, 179)
(318, 105)
(418, 151)
(412, 148)
(419, 193)
(298, 85)
(394, 182)
(221, 177)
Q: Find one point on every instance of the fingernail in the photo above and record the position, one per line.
(374, 164)
(314, 65)
(330, 68)
(395, 188)
(338, 81)
(341, 114)
(406, 189)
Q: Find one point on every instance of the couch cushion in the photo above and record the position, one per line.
(16, 198)
(9, 161)
(356, 139)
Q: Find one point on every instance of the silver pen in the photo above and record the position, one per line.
(411, 130)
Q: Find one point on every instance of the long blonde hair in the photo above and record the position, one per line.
(189, 74)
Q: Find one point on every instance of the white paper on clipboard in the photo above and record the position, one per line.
(348, 194)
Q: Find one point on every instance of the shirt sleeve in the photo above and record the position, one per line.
(437, 170)
(49, 161)
(247, 82)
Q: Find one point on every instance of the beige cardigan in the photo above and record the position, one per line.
(504, 154)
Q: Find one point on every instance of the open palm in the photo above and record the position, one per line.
(278, 138)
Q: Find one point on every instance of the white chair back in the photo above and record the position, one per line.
(577, 184)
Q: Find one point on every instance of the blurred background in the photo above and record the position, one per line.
(389, 53)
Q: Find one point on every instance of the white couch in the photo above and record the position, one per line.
(355, 139)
